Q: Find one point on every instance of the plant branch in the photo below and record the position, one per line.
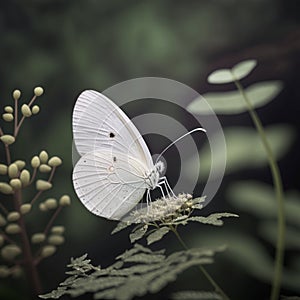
(54, 216)
(279, 256)
(218, 289)
(7, 152)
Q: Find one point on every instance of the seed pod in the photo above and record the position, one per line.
(7, 139)
(38, 91)
(54, 161)
(38, 238)
(5, 188)
(51, 203)
(65, 200)
(25, 177)
(58, 229)
(16, 94)
(25, 109)
(35, 162)
(48, 250)
(25, 208)
(43, 157)
(43, 185)
(35, 109)
(13, 216)
(3, 169)
(9, 252)
(13, 170)
(42, 207)
(56, 240)
(4, 271)
(1, 240)
(15, 183)
(8, 109)
(12, 228)
(2, 220)
(8, 117)
(20, 164)
(43, 168)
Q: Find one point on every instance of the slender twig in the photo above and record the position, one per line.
(279, 256)
(6, 237)
(28, 257)
(36, 197)
(51, 221)
(17, 128)
(218, 289)
(16, 117)
(7, 152)
(33, 176)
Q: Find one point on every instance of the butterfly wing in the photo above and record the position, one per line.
(108, 184)
(98, 122)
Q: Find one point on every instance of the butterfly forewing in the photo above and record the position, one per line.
(99, 123)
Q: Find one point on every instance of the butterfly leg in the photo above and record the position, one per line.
(164, 181)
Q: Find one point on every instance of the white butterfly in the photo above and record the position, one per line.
(115, 168)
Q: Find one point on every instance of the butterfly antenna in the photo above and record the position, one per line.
(181, 137)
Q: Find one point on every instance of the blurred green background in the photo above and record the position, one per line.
(68, 46)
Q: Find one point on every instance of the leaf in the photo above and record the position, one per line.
(232, 102)
(213, 219)
(120, 226)
(138, 233)
(133, 277)
(157, 235)
(196, 295)
(244, 149)
(269, 231)
(238, 72)
(243, 68)
(259, 199)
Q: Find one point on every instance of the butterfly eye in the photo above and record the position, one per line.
(111, 135)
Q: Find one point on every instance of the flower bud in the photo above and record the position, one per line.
(25, 177)
(2, 220)
(38, 91)
(43, 157)
(51, 203)
(65, 200)
(1, 240)
(58, 229)
(25, 109)
(13, 170)
(38, 238)
(15, 183)
(54, 161)
(8, 117)
(16, 94)
(56, 240)
(25, 208)
(8, 109)
(3, 169)
(48, 250)
(35, 162)
(43, 185)
(13, 216)
(44, 168)
(9, 252)
(20, 164)
(4, 271)
(12, 228)
(7, 139)
(42, 207)
(5, 188)
(35, 109)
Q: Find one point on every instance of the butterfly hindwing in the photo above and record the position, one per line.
(109, 184)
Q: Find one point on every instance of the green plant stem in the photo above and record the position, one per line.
(205, 273)
(280, 245)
